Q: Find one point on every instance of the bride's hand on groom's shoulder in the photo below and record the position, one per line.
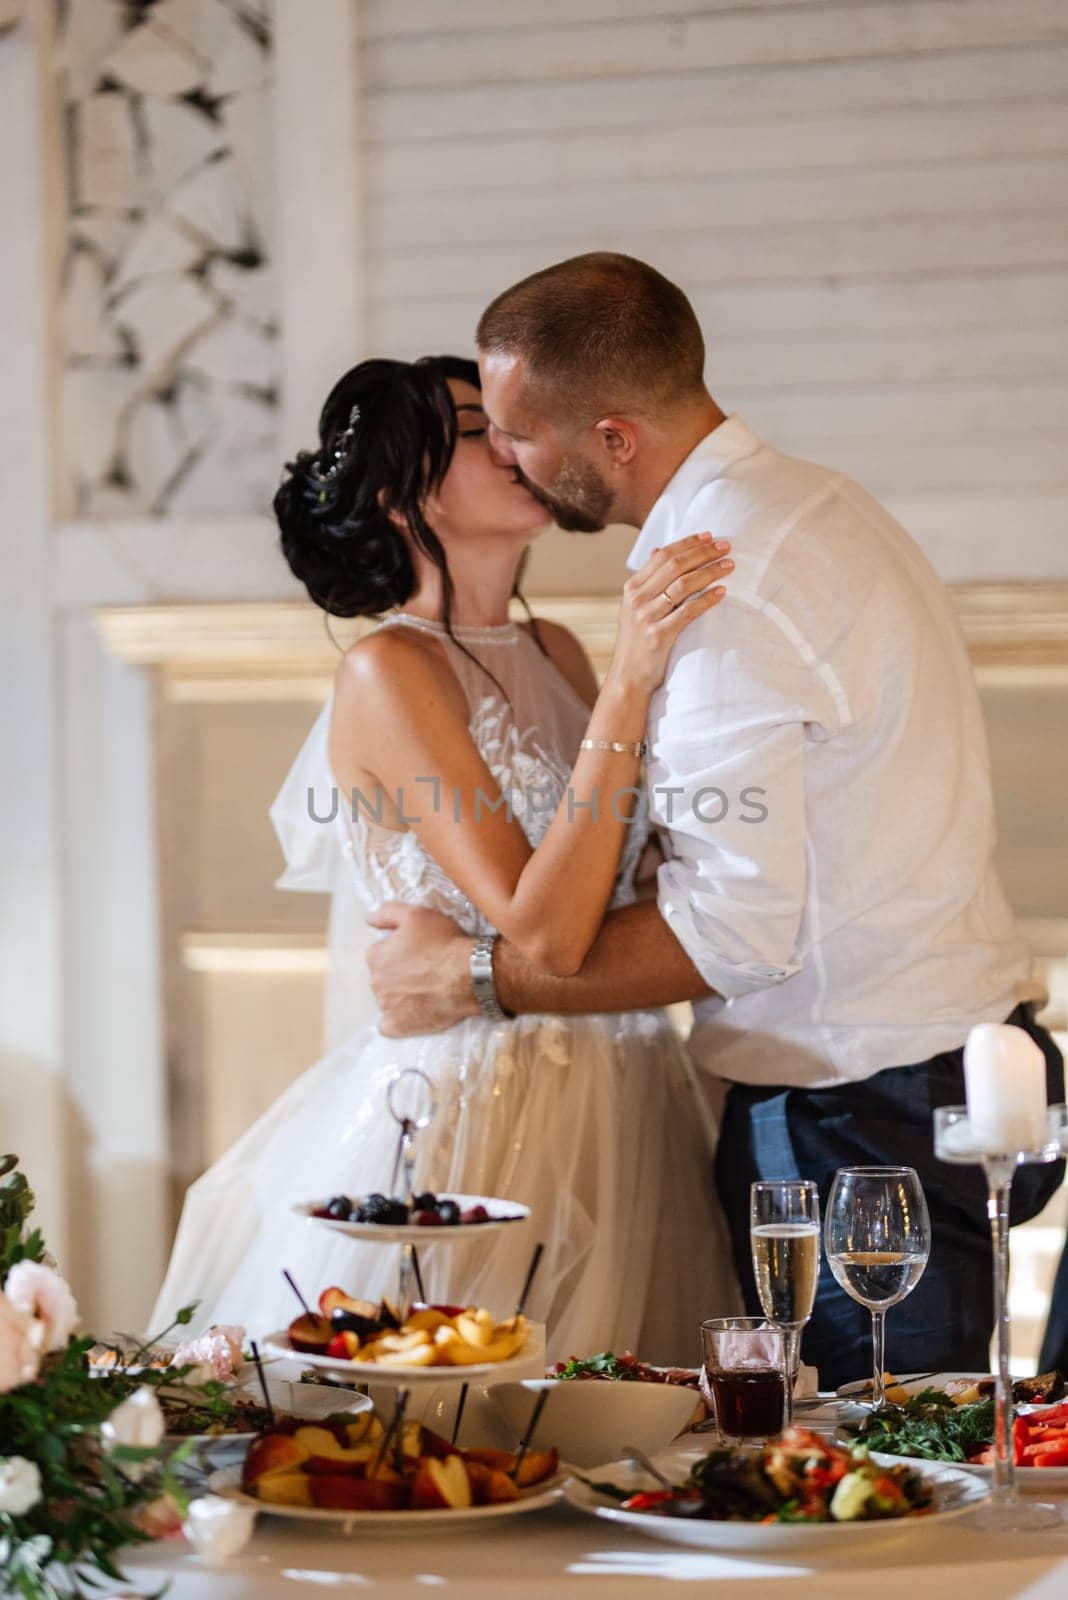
(420, 971)
(661, 599)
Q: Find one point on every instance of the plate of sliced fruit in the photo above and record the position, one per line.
(340, 1472)
(391, 1220)
(362, 1340)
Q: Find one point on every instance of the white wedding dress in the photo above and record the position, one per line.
(596, 1122)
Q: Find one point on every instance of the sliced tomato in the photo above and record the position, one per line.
(1021, 1436)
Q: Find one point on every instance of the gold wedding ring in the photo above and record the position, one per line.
(667, 597)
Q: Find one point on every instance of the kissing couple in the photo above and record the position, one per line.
(777, 805)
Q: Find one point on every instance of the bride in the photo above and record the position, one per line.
(467, 763)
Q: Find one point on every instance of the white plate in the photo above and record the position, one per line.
(373, 1371)
(860, 1388)
(227, 1483)
(1029, 1480)
(959, 1492)
(1032, 1480)
(502, 1214)
(308, 1402)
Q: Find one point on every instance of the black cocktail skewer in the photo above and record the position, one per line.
(531, 1270)
(524, 1443)
(459, 1411)
(418, 1275)
(263, 1381)
(315, 1315)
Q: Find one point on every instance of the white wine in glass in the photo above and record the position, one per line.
(784, 1236)
(878, 1238)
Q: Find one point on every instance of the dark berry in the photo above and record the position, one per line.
(449, 1212)
(427, 1219)
(342, 1321)
(339, 1207)
(427, 1201)
(377, 1208)
(475, 1214)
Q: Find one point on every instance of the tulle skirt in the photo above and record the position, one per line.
(597, 1123)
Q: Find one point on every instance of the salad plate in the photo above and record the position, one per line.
(956, 1493)
(227, 1483)
(500, 1214)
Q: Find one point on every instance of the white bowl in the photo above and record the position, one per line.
(590, 1420)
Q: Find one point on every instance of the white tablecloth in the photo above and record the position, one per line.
(561, 1554)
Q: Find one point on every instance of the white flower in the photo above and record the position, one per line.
(21, 1338)
(218, 1528)
(138, 1422)
(20, 1485)
(41, 1292)
(220, 1348)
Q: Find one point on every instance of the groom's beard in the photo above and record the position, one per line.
(578, 501)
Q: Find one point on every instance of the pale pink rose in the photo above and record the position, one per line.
(21, 1339)
(219, 1348)
(160, 1518)
(41, 1292)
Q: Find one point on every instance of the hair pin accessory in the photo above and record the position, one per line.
(339, 454)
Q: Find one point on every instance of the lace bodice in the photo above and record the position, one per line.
(529, 741)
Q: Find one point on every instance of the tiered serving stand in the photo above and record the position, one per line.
(411, 1103)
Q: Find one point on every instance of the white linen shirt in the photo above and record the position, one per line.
(818, 766)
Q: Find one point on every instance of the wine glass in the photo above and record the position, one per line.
(878, 1238)
(784, 1234)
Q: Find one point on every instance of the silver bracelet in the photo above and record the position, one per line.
(638, 749)
(482, 983)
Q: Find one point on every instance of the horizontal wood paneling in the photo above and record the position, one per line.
(990, 79)
(865, 201)
(529, 50)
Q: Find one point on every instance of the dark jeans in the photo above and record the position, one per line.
(946, 1323)
(1054, 1355)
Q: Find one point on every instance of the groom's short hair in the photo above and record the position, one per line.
(599, 333)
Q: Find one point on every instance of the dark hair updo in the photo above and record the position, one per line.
(337, 532)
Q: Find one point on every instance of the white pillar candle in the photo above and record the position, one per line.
(1005, 1087)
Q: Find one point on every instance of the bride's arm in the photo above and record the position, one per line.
(398, 702)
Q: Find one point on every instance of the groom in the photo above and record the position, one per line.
(818, 771)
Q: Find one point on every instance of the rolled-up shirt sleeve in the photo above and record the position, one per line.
(726, 782)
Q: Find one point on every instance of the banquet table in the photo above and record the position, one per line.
(562, 1554)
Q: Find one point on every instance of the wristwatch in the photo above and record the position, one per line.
(482, 983)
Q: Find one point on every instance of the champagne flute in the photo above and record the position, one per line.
(784, 1234)
(878, 1239)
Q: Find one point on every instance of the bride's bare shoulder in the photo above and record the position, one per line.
(568, 655)
(393, 663)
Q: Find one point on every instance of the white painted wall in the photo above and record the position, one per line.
(865, 199)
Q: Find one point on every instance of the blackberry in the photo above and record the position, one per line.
(377, 1208)
(427, 1201)
(449, 1212)
(339, 1207)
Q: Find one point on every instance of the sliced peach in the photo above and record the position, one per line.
(317, 1439)
(434, 1444)
(357, 1494)
(272, 1453)
(310, 1334)
(285, 1489)
(364, 1429)
(335, 1299)
(489, 1488)
(441, 1485)
(537, 1465)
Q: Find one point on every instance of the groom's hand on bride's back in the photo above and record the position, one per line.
(420, 971)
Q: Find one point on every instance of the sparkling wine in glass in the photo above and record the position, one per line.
(784, 1234)
(878, 1238)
